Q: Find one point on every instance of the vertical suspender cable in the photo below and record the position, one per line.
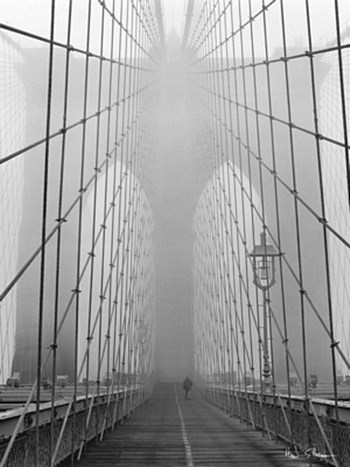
(113, 215)
(296, 207)
(103, 225)
(343, 96)
(59, 219)
(116, 336)
(322, 200)
(43, 231)
(80, 226)
(241, 195)
(121, 367)
(129, 219)
(243, 189)
(282, 282)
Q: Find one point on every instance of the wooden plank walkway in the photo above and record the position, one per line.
(169, 431)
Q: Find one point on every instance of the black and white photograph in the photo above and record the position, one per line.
(174, 233)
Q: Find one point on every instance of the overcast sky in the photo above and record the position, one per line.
(34, 16)
(174, 14)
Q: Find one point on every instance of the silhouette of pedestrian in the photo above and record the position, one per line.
(187, 385)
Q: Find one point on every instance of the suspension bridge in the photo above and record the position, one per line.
(175, 202)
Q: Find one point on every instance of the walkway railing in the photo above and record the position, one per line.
(72, 429)
(310, 426)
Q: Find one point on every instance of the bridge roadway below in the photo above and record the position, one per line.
(169, 431)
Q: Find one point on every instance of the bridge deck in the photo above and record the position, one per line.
(172, 432)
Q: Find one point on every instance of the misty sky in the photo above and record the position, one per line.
(34, 16)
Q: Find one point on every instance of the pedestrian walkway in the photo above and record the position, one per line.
(169, 431)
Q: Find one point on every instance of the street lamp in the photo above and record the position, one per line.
(263, 256)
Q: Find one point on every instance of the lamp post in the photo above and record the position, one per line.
(263, 256)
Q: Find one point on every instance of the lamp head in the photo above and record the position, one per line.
(264, 263)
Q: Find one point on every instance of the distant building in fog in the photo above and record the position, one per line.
(336, 190)
(12, 137)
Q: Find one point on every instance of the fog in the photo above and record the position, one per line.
(175, 177)
(174, 188)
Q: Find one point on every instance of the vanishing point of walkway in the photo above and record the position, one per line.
(169, 431)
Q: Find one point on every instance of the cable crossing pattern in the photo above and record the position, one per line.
(269, 214)
(269, 114)
(87, 264)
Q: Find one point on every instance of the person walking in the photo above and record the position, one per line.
(187, 385)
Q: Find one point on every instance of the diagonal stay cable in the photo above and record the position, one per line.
(73, 125)
(237, 31)
(294, 193)
(61, 45)
(291, 270)
(13, 282)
